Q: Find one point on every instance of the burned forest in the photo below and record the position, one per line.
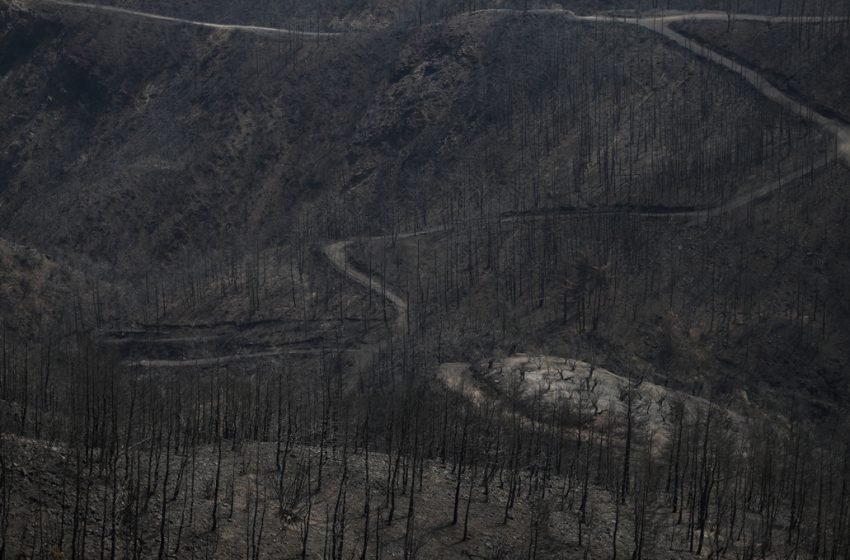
(472, 279)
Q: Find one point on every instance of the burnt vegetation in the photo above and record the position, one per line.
(457, 282)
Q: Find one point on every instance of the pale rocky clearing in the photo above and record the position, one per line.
(585, 390)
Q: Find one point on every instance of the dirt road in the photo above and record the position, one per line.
(661, 24)
(195, 23)
(335, 252)
(658, 24)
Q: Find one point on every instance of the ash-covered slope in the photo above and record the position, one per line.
(808, 61)
(147, 137)
(130, 141)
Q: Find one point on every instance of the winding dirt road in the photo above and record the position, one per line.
(336, 251)
(226, 359)
(256, 29)
(661, 25)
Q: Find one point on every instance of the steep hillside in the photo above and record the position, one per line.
(33, 290)
(179, 137)
(148, 138)
(749, 299)
(452, 283)
(810, 61)
(206, 149)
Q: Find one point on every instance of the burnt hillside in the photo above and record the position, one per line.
(460, 280)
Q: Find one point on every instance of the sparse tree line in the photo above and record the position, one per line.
(612, 246)
(592, 125)
(489, 281)
(799, 49)
(146, 466)
(290, 280)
